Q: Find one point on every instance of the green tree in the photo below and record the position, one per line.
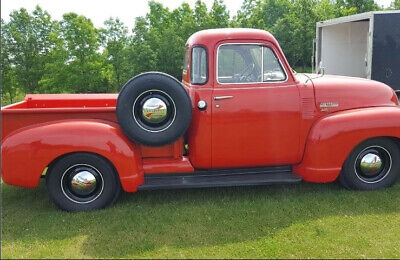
(28, 46)
(115, 40)
(296, 31)
(56, 73)
(324, 10)
(395, 4)
(184, 20)
(219, 15)
(82, 41)
(8, 79)
(159, 36)
(272, 10)
(201, 16)
(262, 14)
(246, 16)
(349, 7)
(141, 54)
(85, 68)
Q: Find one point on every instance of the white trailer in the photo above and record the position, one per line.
(364, 45)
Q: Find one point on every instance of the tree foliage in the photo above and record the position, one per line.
(395, 5)
(27, 43)
(42, 55)
(114, 39)
(8, 78)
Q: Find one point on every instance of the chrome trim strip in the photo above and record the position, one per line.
(222, 97)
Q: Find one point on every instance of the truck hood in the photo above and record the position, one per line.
(336, 93)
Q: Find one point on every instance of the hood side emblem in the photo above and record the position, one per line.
(325, 105)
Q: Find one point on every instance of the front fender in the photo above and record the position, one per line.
(28, 151)
(334, 136)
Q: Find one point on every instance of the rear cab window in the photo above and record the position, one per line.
(199, 66)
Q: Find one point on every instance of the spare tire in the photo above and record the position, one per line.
(154, 109)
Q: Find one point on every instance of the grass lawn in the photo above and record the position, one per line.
(284, 221)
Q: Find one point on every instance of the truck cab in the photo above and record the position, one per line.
(253, 113)
(240, 116)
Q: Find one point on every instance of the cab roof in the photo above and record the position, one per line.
(212, 36)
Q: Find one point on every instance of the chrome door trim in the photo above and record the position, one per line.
(222, 97)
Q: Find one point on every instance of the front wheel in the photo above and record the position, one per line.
(81, 182)
(373, 164)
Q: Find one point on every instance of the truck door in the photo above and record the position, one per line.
(255, 108)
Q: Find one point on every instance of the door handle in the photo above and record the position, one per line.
(222, 97)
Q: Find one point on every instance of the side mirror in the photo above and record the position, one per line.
(321, 71)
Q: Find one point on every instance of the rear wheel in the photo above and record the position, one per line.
(82, 181)
(372, 165)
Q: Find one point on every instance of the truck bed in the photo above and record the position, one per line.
(41, 108)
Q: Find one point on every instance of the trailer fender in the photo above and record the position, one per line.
(28, 151)
(334, 136)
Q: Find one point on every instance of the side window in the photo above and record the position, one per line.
(272, 69)
(239, 63)
(198, 70)
(248, 63)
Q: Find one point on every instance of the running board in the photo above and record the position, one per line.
(221, 178)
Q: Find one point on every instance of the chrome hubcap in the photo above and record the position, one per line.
(83, 183)
(154, 110)
(373, 164)
(370, 164)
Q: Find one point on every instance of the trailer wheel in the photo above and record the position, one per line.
(82, 182)
(154, 109)
(372, 165)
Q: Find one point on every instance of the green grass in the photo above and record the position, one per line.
(284, 221)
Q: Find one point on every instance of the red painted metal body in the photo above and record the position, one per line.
(264, 124)
(333, 136)
(42, 128)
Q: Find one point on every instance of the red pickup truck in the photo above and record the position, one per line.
(240, 116)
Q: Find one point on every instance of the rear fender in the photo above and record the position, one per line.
(28, 151)
(334, 136)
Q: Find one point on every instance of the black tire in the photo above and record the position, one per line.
(59, 182)
(175, 101)
(380, 172)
